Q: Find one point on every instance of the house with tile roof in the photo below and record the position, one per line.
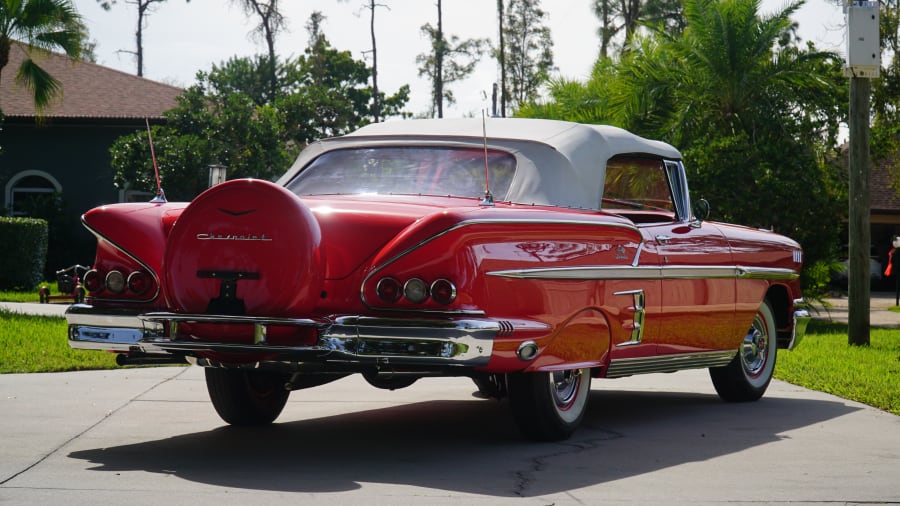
(65, 152)
(885, 217)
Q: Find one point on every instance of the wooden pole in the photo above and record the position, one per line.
(860, 198)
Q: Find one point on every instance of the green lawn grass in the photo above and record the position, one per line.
(23, 296)
(823, 361)
(38, 344)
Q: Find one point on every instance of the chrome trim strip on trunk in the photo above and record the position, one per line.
(669, 363)
(345, 339)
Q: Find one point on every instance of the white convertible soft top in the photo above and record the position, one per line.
(558, 162)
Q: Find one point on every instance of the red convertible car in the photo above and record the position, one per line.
(529, 255)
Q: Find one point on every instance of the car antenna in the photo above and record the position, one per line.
(488, 197)
(160, 197)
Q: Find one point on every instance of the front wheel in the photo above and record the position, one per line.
(244, 397)
(549, 406)
(747, 377)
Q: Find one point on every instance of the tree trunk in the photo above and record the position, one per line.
(139, 37)
(439, 65)
(502, 60)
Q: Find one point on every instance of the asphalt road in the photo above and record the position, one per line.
(150, 436)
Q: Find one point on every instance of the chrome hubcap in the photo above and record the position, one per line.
(755, 348)
(564, 386)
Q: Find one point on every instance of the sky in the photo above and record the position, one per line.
(181, 38)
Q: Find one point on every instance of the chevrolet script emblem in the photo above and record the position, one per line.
(232, 237)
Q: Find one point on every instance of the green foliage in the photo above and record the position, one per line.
(529, 50)
(449, 60)
(227, 118)
(824, 362)
(623, 18)
(885, 131)
(23, 252)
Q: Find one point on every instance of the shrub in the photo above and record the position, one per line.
(23, 252)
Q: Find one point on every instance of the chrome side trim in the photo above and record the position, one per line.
(650, 272)
(345, 339)
(770, 273)
(668, 363)
(637, 322)
(582, 273)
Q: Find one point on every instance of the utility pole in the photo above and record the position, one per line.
(863, 64)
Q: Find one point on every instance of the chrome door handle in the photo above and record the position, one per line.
(663, 239)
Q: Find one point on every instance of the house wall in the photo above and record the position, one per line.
(74, 154)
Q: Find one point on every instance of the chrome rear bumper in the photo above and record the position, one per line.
(345, 339)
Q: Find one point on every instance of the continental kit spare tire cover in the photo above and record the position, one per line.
(245, 247)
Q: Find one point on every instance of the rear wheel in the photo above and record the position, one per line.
(247, 397)
(747, 377)
(549, 406)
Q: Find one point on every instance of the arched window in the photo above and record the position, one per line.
(26, 189)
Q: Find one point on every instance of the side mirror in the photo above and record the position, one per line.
(701, 211)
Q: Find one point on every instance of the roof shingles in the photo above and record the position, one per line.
(88, 90)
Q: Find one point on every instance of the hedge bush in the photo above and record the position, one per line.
(23, 252)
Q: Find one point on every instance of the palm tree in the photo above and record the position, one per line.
(731, 68)
(42, 25)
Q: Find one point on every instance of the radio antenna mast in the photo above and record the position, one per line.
(488, 200)
(160, 197)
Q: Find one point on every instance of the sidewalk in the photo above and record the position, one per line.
(879, 316)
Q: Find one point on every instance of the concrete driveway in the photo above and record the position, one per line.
(150, 436)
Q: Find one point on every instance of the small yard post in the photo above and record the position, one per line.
(863, 63)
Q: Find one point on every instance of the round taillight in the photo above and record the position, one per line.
(138, 282)
(443, 291)
(115, 282)
(389, 290)
(92, 281)
(415, 290)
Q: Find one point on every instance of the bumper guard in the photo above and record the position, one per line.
(343, 339)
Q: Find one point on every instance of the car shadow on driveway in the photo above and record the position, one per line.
(470, 446)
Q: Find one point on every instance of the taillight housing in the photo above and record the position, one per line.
(443, 291)
(120, 284)
(93, 281)
(416, 291)
(389, 290)
(139, 282)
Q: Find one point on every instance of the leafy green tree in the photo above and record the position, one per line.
(228, 118)
(271, 23)
(203, 129)
(625, 17)
(43, 25)
(144, 9)
(448, 61)
(527, 53)
(885, 131)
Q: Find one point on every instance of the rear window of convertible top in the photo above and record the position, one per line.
(417, 170)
